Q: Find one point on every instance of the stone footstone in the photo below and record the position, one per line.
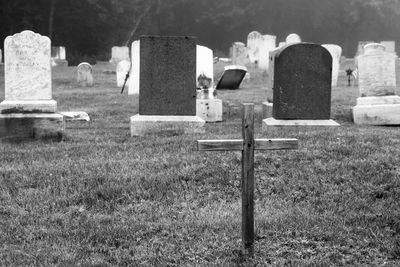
(28, 106)
(209, 110)
(142, 125)
(27, 126)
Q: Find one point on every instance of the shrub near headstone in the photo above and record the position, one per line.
(28, 110)
(302, 86)
(377, 103)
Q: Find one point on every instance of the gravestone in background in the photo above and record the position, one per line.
(267, 44)
(84, 74)
(301, 86)
(239, 54)
(1, 57)
(28, 109)
(167, 97)
(377, 103)
(119, 53)
(293, 38)
(336, 53)
(134, 81)
(58, 56)
(122, 69)
(208, 107)
(390, 46)
(254, 39)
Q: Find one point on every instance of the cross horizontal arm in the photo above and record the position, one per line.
(237, 144)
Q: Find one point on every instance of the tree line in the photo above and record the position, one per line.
(89, 28)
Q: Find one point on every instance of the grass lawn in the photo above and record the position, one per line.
(103, 198)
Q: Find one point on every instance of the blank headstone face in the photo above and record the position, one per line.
(119, 53)
(376, 71)
(293, 38)
(27, 67)
(1, 56)
(204, 63)
(302, 82)
(134, 80)
(167, 76)
(336, 53)
(253, 44)
(239, 53)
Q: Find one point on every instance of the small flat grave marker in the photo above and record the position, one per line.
(247, 145)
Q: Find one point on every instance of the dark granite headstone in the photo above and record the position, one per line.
(232, 77)
(167, 76)
(302, 82)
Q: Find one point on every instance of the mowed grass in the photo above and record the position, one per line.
(103, 198)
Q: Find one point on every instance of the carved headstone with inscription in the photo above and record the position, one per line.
(28, 109)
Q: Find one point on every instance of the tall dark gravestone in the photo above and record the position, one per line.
(302, 82)
(167, 87)
(301, 87)
(167, 76)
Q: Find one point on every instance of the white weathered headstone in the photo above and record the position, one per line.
(134, 76)
(28, 110)
(1, 57)
(253, 45)
(28, 72)
(281, 44)
(205, 63)
(336, 53)
(58, 56)
(293, 38)
(123, 67)
(239, 53)
(377, 103)
(208, 107)
(119, 53)
(268, 44)
(84, 77)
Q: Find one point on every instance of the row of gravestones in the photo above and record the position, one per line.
(167, 99)
(260, 48)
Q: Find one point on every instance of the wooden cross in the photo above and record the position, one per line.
(247, 145)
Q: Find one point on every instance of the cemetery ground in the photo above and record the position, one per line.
(102, 198)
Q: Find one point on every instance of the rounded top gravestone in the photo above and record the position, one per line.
(302, 82)
(374, 48)
(27, 67)
(253, 42)
(293, 38)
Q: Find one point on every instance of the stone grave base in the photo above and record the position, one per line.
(32, 126)
(271, 122)
(28, 106)
(267, 110)
(142, 125)
(209, 110)
(377, 110)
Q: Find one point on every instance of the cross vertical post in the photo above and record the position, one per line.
(248, 179)
(247, 145)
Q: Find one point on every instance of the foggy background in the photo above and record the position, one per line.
(89, 28)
